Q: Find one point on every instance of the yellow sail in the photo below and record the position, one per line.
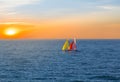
(66, 45)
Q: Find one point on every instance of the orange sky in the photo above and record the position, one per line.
(65, 28)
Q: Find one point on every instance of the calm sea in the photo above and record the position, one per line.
(43, 61)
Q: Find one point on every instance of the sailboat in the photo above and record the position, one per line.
(69, 46)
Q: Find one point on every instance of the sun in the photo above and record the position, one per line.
(11, 31)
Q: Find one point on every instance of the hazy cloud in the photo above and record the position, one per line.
(14, 3)
(109, 7)
(7, 6)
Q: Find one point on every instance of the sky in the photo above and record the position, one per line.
(60, 19)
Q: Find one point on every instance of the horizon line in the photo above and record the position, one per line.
(63, 39)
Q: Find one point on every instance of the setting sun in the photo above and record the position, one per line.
(11, 31)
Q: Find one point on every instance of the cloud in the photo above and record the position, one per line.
(21, 25)
(7, 6)
(14, 3)
(12, 23)
(109, 7)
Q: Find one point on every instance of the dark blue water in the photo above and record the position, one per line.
(43, 61)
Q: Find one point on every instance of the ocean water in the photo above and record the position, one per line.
(43, 61)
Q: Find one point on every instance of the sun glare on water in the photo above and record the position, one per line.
(11, 31)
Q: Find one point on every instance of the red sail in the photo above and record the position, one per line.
(71, 46)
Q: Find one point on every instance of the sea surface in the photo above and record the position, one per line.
(43, 61)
